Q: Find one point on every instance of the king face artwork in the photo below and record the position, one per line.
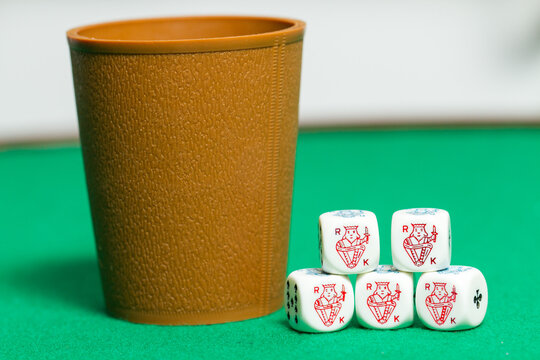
(329, 303)
(439, 303)
(418, 244)
(351, 247)
(382, 302)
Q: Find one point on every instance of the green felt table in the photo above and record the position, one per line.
(51, 304)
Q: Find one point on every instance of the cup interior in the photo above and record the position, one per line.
(186, 29)
(185, 34)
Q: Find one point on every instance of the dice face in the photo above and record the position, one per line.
(452, 299)
(318, 302)
(384, 298)
(349, 241)
(421, 239)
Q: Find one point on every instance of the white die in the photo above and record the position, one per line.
(318, 302)
(384, 298)
(421, 240)
(349, 241)
(452, 299)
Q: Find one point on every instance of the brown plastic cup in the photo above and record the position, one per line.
(188, 129)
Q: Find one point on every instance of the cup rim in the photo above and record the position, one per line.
(292, 32)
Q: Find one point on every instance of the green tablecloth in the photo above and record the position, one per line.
(488, 179)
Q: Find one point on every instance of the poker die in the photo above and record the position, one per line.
(384, 298)
(421, 239)
(349, 241)
(452, 299)
(318, 302)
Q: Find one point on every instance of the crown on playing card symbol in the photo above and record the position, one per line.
(329, 286)
(382, 283)
(351, 227)
(477, 299)
(437, 284)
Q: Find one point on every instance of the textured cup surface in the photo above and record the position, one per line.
(189, 149)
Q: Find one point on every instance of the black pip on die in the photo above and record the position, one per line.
(452, 299)
(318, 302)
(349, 241)
(421, 239)
(384, 298)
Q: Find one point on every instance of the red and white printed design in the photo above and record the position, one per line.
(418, 244)
(351, 246)
(329, 303)
(382, 302)
(439, 303)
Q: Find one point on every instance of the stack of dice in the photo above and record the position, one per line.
(447, 297)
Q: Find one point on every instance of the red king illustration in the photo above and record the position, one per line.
(382, 302)
(329, 303)
(439, 303)
(418, 244)
(351, 246)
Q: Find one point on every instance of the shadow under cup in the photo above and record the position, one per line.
(188, 129)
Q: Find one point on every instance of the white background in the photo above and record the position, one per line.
(365, 61)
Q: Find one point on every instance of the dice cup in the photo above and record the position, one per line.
(188, 129)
